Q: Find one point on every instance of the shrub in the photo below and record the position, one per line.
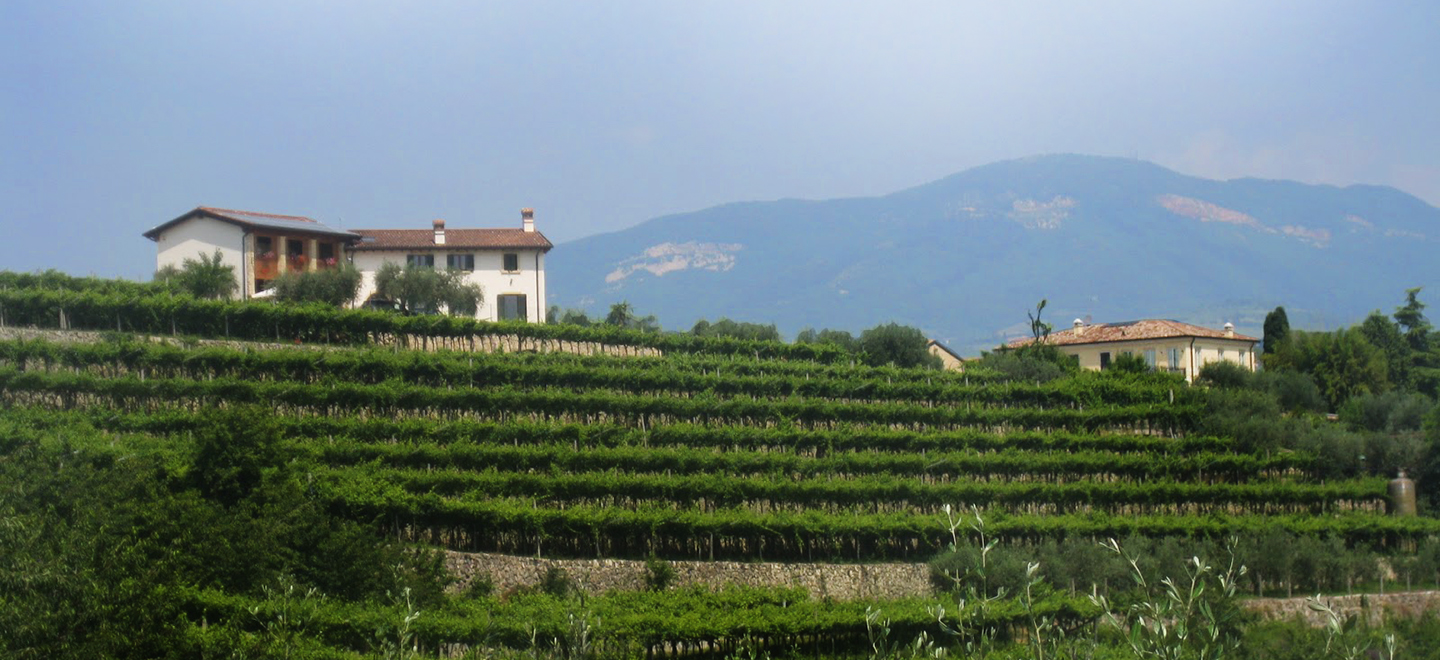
(481, 586)
(556, 582)
(334, 286)
(896, 344)
(659, 574)
(1225, 373)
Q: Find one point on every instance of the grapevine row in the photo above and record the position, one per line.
(72, 389)
(556, 370)
(166, 313)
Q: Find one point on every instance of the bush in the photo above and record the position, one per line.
(1226, 374)
(1027, 366)
(337, 286)
(1130, 364)
(900, 345)
(1295, 391)
(659, 574)
(961, 569)
(206, 277)
(556, 582)
(481, 586)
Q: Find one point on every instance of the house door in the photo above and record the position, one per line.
(1104, 360)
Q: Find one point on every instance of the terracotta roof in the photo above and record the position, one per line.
(254, 220)
(1100, 333)
(424, 239)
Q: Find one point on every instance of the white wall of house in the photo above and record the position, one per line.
(489, 273)
(1204, 350)
(197, 236)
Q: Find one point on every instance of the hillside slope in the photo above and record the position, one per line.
(963, 257)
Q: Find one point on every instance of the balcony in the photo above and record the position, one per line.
(267, 266)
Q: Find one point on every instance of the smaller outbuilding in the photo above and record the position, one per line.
(949, 360)
(1165, 345)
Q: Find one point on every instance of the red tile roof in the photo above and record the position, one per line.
(246, 215)
(1100, 333)
(424, 239)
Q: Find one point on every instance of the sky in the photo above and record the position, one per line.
(117, 116)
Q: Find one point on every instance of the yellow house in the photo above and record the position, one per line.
(949, 360)
(1165, 345)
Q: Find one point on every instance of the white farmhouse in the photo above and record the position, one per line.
(258, 246)
(509, 264)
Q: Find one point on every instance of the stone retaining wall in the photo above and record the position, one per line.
(473, 344)
(839, 581)
(1372, 607)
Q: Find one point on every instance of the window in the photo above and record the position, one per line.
(460, 262)
(1174, 355)
(1222, 354)
(1242, 358)
(420, 260)
(512, 306)
(512, 262)
(1105, 360)
(1150, 357)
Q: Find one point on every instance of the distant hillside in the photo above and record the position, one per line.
(964, 257)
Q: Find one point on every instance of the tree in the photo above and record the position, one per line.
(841, 338)
(1040, 329)
(336, 286)
(557, 316)
(622, 315)
(1344, 363)
(736, 329)
(1385, 335)
(900, 345)
(425, 289)
(207, 277)
(1277, 327)
(1411, 316)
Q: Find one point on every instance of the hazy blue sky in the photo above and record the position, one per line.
(117, 116)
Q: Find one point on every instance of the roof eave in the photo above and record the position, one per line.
(1250, 340)
(200, 211)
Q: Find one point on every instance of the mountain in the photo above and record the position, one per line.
(966, 256)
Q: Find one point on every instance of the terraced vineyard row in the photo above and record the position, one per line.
(653, 377)
(394, 399)
(146, 311)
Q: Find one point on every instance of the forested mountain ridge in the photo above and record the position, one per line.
(962, 257)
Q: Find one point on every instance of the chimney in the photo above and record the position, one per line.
(1079, 327)
(439, 232)
(527, 218)
(1229, 329)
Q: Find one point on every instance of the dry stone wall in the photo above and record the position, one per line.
(514, 344)
(1373, 608)
(474, 344)
(595, 576)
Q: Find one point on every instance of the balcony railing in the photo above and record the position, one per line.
(268, 268)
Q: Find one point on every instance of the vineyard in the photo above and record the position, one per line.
(717, 449)
(694, 456)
